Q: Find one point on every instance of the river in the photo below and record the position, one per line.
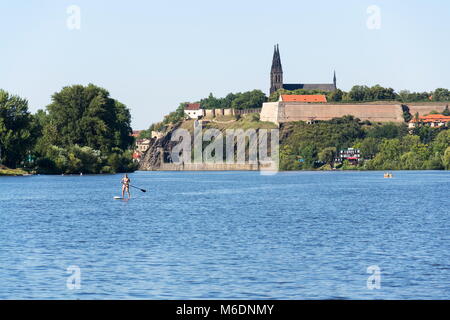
(227, 235)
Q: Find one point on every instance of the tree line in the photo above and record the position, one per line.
(386, 146)
(241, 100)
(362, 93)
(255, 98)
(83, 130)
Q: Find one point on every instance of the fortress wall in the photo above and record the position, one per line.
(425, 109)
(209, 113)
(269, 112)
(375, 113)
(279, 112)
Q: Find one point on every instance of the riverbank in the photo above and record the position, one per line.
(5, 171)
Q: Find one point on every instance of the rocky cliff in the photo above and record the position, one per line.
(155, 154)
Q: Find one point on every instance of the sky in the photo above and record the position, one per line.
(153, 55)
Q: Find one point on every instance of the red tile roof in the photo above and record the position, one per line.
(303, 98)
(136, 133)
(136, 155)
(433, 118)
(192, 106)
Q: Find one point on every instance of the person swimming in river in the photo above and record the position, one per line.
(126, 186)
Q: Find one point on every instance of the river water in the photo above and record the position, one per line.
(227, 235)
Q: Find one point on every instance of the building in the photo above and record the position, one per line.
(142, 145)
(276, 78)
(432, 120)
(136, 133)
(194, 111)
(353, 156)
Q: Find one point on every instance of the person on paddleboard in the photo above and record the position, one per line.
(126, 186)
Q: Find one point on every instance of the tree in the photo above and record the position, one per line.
(377, 92)
(441, 94)
(335, 95)
(359, 93)
(327, 155)
(87, 116)
(17, 129)
(369, 147)
(441, 142)
(446, 112)
(387, 130)
(80, 130)
(446, 158)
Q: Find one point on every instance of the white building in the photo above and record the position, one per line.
(194, 111)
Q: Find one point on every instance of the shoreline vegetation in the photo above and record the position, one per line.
(4, 171)
(84, 130)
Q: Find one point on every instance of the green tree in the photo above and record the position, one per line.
(441, 142)
(335, 96)
(87, 116)
(369, 147)
(359, 93)
(327, 155)
(441, 94)
(249, 100)
(18, 131)
(387, 131)
(446, 158)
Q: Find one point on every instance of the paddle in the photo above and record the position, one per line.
(143, 190)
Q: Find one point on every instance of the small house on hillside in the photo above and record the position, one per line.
(353, 156)
(194, 110)
(432, 120)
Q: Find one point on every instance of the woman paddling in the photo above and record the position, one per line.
(126, 186)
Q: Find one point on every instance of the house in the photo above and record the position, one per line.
(136, 133)
(353, 156)
(432, 120)
(194, 111)
(142, 145)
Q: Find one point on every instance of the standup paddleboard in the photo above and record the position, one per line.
(118, 198)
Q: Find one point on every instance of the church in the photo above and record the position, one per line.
(276, 78)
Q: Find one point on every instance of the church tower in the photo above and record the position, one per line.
(334, 80)
(276, 73)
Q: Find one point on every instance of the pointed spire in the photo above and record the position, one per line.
(276, 61)
(334, 79)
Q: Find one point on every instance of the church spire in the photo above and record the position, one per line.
(334, 80)
(276, 61)
(276, 72)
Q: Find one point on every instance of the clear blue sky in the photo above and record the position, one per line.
(151, 55)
